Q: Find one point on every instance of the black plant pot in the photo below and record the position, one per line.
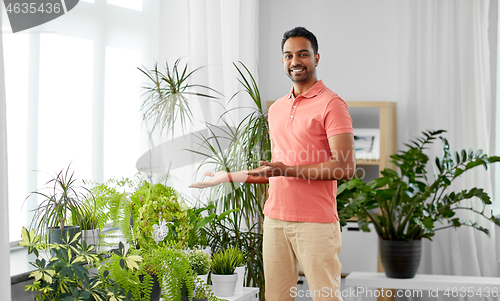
(400, 259)
(156, 291)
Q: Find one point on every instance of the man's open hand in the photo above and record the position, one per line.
(216, 179)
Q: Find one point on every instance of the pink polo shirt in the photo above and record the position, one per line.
(300, 128)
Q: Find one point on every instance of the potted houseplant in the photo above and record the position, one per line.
(159, 227)
(224, 263)
(240, 262)
(88, 223)
(166, 96)
(249, 143)
(410, 206)
(200, 264)
(67, 275)
(156, 213)
(62, 197)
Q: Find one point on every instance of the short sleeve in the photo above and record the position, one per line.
(337, 119)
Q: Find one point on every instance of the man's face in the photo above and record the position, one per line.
(299, 60)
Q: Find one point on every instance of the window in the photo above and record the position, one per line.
(72, 90)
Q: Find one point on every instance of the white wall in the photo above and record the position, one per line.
(361, 45)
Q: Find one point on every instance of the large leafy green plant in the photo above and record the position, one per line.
(407, 205)
(159, 214)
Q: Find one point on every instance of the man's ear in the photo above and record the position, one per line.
(316, 58)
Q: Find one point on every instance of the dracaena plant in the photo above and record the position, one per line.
(166, 96)
(408, 205)
(249, 142)
(62, 197)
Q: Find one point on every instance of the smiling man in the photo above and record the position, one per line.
(312, 147)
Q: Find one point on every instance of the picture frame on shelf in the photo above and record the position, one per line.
(367, 143)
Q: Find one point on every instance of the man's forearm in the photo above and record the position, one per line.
(327, 171)
(239, 176)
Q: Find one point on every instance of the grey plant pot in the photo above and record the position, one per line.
(56, 232)
(56, 235)
(91, 237)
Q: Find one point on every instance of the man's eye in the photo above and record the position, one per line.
(287, 56)
(304, 55)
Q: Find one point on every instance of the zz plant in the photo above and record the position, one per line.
(413, 206)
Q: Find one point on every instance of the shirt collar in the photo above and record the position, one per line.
(312, 92)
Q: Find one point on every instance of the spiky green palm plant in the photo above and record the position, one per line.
(166, 98)
(249, 143)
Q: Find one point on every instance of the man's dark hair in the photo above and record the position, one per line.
(300, 32)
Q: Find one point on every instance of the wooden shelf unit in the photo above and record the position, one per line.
(387, 124)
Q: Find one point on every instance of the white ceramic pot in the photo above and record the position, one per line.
(207, 251)
(241, 278)
(91, 237)
(224, 285)
(203, 278)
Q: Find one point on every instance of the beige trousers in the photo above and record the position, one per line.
(316, 246)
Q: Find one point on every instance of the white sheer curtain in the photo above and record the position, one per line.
(449, 88)
(73, 95)
(4, 201)
(211, 34)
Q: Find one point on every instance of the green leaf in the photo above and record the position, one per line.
(457, 158)
(226, 213)
(389, 173)
(379, 182)
(458, 172)
(438, 165)
(494, 159)
(204, 221)
(464, 155)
